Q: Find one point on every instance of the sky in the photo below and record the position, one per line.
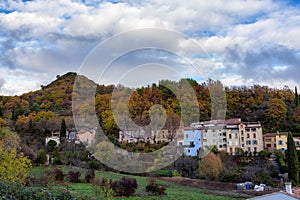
(240, 42)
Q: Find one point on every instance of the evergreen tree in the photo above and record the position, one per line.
(63, 130)
(296, 97)
(30, 126)
(292, 158)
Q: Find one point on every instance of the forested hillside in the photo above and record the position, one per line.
(41, 111)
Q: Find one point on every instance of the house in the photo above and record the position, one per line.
(132, 135)
(151, 136)
(297, 142)
(192, 141)
(275, 141)
(86, 136)
(275, 196)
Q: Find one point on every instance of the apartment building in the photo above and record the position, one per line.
(232, 135)
(192, 141)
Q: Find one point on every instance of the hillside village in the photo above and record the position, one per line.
(250, 146)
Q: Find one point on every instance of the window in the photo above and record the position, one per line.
(242, 132)
(268, 145)
(254, 142)
(248, 135)
(255, 149)
(229, 136)
(254, 135)
(242, 139)
(248, 142)
(243, 145)
(280, 142)
(180, 143)
(192, 144)
(236, 136)
(249, 149)
(220, 146)
(186, 136)
(230, 143)
(268, 140)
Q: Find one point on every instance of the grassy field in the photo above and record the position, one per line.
(173, 190)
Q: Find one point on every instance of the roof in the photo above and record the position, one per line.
(274, 134)
(274, 196)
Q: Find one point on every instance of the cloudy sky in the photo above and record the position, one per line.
(248, 41)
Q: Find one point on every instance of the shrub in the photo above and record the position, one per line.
(16, 191)
(59, 175)
(41, 157)
(154, 188)
(102, 188)
(124, 187)
(74, 177)
(90, 175)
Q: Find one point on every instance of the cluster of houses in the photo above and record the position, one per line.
(233, 136)
(85, 136)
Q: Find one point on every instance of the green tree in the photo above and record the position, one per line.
(63, 131)
(292, 158)
(296, 97)
(41, 157)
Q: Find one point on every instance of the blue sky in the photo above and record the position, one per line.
(249, 41)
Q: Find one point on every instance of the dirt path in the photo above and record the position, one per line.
(213, 186)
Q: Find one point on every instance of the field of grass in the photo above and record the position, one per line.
(173, 190)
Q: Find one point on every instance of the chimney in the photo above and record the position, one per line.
(288, 187)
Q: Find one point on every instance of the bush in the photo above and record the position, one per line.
(15, 191)
(154, 188)
(124, 187)
(90, 175)
(102, 188)
(41, 157)
(74, 177)
(59, 175)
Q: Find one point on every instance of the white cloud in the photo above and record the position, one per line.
(54, 36)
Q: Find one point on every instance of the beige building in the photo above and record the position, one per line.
(232, 135)
(275, 141)
(87, 137)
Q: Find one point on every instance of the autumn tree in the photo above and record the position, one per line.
(210, 166)
(276, 111)
(13, 165)
(292, 158)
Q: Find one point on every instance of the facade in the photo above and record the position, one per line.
(246, 136)
(297, 142)
(153, 136)
(275, 141)
(232, 135)
(86, 136)
(192, 141)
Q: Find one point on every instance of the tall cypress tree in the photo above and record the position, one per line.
(63, 130)
(296, 97)
(292, 158)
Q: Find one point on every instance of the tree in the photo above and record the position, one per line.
(292, 158)
(63, 131)
(210, 166)
(41, 157)
(296, 97)
(13, 165)
(277, 111)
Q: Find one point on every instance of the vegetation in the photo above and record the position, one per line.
(13, 165)
(211, 166)
(292, 158)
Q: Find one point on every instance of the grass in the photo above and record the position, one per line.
(173, 190)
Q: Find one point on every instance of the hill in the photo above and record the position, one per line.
(43, 109)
